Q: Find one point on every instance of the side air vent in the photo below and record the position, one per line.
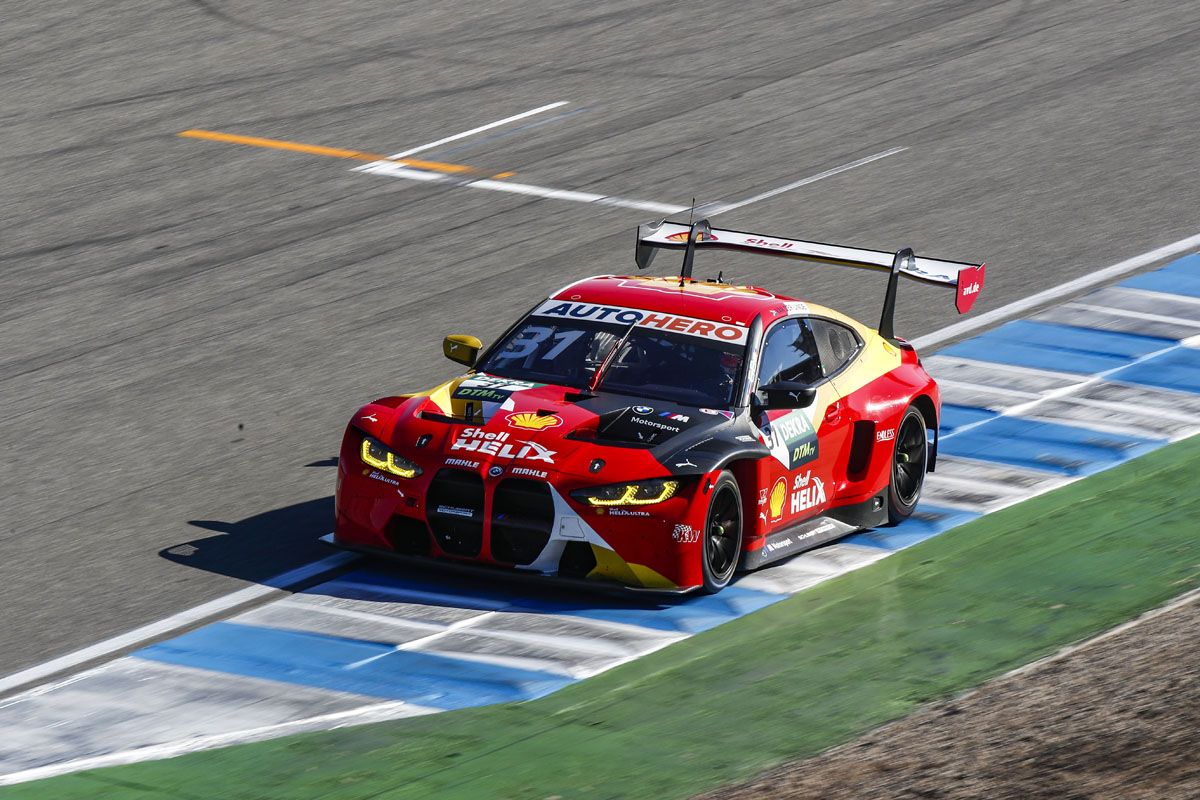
(862, 443)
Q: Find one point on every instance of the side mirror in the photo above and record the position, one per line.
(786, 394)
(461, 348)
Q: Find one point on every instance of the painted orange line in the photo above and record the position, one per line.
(320, 150)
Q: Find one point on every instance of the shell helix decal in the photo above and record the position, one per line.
(498, 444)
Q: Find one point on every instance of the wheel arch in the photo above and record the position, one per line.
(924, 403)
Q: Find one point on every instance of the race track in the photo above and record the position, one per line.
(188, 323)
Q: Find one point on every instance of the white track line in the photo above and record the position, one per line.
(531, 112)
(184, 619)
(1066, 391)
(721, 208)
(378, 712)
(1056, 293)
(394, 170)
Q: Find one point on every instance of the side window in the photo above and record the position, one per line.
(836, 344)
(789, 353)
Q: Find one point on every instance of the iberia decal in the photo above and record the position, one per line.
(618, 315)
(533, 421)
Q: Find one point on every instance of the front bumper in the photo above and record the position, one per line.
(493, 572)
(472, 516)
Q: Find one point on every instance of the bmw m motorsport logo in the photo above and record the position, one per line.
(496, 444)
(650, 319)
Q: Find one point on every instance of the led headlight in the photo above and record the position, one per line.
(376, 454)
(637, 493)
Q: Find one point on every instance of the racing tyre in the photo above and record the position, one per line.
(909, 461)
(722, 541)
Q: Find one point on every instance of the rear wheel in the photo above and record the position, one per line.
(722, 541)
(909, 461)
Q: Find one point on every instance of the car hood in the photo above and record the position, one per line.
(481, 419)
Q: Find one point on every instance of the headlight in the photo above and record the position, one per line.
(376, 454)
(638, 493)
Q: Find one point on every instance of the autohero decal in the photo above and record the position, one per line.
(496, 443)
(618, 315)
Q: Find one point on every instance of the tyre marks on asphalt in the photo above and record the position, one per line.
(1029, 406)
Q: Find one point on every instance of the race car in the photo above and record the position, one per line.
(658, 433)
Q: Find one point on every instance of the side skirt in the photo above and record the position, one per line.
(814, 532)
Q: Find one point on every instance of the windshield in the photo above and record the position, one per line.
(677, 367)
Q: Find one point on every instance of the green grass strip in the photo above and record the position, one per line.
(788, 681)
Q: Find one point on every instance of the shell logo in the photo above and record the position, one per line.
(682, 236)
(532, 421)
(775, 502)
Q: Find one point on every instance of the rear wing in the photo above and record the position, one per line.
(966, 279)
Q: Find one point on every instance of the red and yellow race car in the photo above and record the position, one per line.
(660, 433)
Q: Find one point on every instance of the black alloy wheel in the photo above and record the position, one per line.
(909, 462)
(722, 534)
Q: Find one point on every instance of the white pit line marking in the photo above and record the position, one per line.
(721, 208)
(394, 170)
(531, 112)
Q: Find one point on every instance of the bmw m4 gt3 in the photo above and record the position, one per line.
(657, 432)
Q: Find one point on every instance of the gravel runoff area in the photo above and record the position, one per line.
(1116, 718)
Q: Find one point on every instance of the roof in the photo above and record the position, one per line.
(720, 302)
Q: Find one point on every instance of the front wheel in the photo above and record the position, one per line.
(909, 461)
(722, 534)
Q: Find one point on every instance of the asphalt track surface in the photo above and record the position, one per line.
(187, 325)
